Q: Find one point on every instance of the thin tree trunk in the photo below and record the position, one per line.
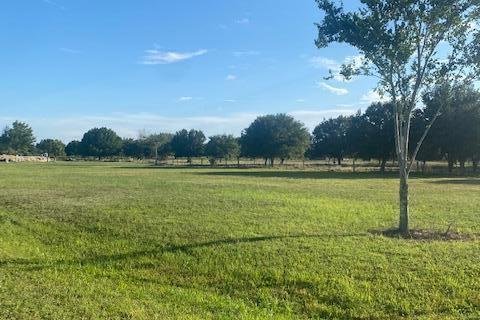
(402, 135)
(383, 164)
(404, 197)
(462, 167)
(450, 165)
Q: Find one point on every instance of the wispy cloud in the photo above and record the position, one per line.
(335, 66)
(373, 96)
(300, 100)
(242, 21)
(54, 4)
(311, 118)
(231, 77)
(324, 63)
(230, 100)
(130, 124)
(154, 56)
(69, 50)
(247, 53)
(183, 99)
(332, 89)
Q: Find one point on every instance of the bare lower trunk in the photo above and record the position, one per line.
(450, 165)
(383, 165)
(403, 194)
(462, 167)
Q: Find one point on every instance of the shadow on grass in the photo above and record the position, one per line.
(299, 174)
(290, 173)
(36, 264)
(466, 181)
(425, 235)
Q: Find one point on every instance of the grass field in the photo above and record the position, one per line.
(116, 241)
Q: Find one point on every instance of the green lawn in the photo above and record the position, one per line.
(117, 241)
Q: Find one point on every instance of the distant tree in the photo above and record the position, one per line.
(275, 136)
(457, 127)
(430, 149)
(222, 147)
(54, 148)
(330, 138)
(74, 148)
(157, 145)
(380, 134)
(188, 144)
(18, 139)
(101, 142)
(476, 156)
(134, 148)
(399, 42)
(356, 138)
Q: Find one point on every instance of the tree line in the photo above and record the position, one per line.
(454, 137)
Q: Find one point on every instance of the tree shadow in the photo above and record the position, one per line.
(466, 181)
(291, 174)
(36, 265)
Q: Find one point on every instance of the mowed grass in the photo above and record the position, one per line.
(116, 241)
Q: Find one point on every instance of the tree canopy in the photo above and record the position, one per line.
(330, 138)
(18, 139)
(101, 142)
(74, 148)
(52, 147)
(275, 136)
(222, 147)
(188, 144)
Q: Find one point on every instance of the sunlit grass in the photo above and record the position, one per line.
(115, 241)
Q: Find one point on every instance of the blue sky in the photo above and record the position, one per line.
(157, 65)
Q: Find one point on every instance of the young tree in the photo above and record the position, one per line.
(188, 144)
(53, 147)
(400, 45)
(275, 136)
(74, 148)
(18, 139)
(222, 147)
(330, 139)
(101, 142)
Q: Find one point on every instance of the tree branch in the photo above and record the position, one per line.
(420, 142)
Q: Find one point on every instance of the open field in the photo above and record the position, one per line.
(116, 241)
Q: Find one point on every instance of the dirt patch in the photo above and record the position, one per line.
(426, 235)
